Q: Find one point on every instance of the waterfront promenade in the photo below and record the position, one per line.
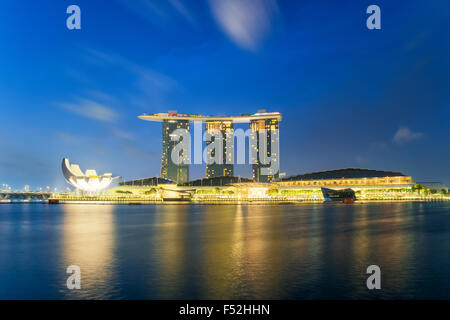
(227, 200)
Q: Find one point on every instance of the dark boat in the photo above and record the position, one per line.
(345, 195)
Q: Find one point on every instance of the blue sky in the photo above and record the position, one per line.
(350, 97)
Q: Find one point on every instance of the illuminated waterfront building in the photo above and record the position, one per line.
(178, 173)
(363, 184)
(350, 177)
(89, 182)
(264, 142)
(224, 124)
(220, 165)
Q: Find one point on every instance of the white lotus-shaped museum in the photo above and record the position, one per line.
(87, 182)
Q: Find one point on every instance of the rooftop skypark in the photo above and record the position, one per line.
(244, 118)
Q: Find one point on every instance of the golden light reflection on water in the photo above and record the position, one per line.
(88, 242)
(274, 253)
(360, 249)
(360, 239)
(305, 245)
(395, 247)
(381, 238)
(242, 253)
(219, 252)
(170, 248)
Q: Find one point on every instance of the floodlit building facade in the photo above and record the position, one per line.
(265, 151)
(349, 177)
(178, 173)
(362, 184)
(262, 171)
(223, 167)
(89, 182)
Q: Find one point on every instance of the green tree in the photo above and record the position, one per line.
(151, 191)
(124, 191)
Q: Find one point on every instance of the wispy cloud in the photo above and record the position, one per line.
(123, 134)
(153, 86)
(152, 80)
(158, 12)
(145, 8)
(246, 22)
(68, 138)
(181, 9)
(405, 135)
(91, 109)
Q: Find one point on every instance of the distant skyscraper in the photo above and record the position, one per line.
(224, 167)
(271, 145)
(170, 170)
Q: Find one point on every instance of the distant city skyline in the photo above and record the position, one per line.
(350, 97)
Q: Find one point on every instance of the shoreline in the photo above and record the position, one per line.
(216, 202)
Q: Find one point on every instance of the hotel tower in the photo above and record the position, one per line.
(170, 170)
(224, 131)
(264, 142)
(263, 136)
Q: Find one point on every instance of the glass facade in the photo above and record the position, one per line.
(265, 134)
(265, 166)
(222, 164)
(170, 170)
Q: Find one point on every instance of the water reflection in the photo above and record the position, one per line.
(360, 246)
(226, 252)
(392, 246)
(88, 242)
(170, 249)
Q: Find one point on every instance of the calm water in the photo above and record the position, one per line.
(221, 252)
